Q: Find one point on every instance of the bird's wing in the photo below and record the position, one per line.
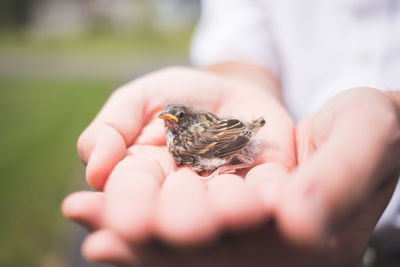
(222, 138)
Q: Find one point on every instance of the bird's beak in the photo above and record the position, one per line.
(168, 116)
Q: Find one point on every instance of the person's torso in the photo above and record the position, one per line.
(328, 46)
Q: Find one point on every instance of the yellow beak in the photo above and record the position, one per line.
(169, 116)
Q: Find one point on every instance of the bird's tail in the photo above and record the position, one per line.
(258, 123)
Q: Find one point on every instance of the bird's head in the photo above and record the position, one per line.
(177, 117)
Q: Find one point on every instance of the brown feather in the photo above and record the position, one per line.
(205, 142)
(221, 138)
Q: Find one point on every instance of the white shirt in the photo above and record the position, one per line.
(316, 47)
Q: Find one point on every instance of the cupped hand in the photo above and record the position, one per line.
(348, 165)
(145, 194)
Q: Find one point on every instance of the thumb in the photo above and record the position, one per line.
(336, 181)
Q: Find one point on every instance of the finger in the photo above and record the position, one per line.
(232, 203)
(277, 154)
(101, 147)
(107, 247)
(131, 193)
(182, 216)
(115, 128)
(131, 107)
(356, 234)
(159, 155)
(85, 208)
(152, 134)
(267, 181)
(335, 181)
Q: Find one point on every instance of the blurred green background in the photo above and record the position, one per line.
(59, 61)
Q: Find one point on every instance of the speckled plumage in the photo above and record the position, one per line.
(206, 143)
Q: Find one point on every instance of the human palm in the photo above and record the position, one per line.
(346, 173)
(347, 170)
(146, 195)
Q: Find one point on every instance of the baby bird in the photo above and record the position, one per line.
(207, 143)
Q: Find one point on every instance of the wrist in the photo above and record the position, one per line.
(245, 72)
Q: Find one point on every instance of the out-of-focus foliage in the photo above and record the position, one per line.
(14, 13)
(40, 121)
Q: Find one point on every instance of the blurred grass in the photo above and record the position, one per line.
(41, 120)
(41, 117)
(141, 42)
(109, 56)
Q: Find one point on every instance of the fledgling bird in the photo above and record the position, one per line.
(207, 143)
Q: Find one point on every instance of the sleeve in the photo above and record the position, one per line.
(233, 30)
(391, 215)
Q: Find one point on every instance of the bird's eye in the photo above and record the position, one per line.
(181, 115)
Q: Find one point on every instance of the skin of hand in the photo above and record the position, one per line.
(331, 203)
(145, 195)
(260, 246)
(348, 165)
